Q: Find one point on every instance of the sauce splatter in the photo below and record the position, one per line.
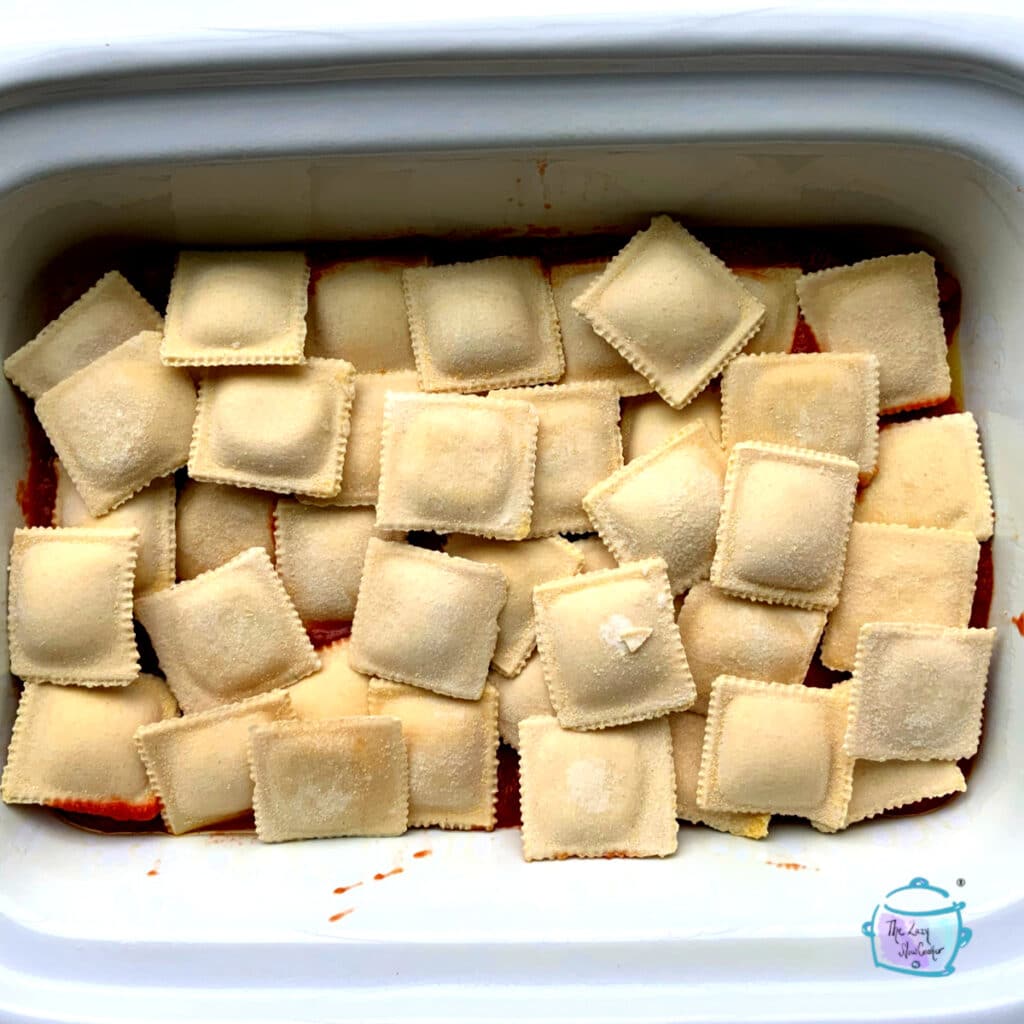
(422, 853)
(341, 913)
(345, 888)
(787, 865)
(380, 876)
(1018, 621)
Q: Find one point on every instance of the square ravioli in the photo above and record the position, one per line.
(236, 309)
(525, 564)
(74, 748)
(357, 313)
(282, 429)
(457, 464)
(672, 309)
(109, 313)
(426, 618)
(648, 422)
(918, 692)
(336, 691)
(665, 505)
(880, 786)
(151, 512)
(890, 307)
(216, 522)
(597, 794)
(775, 289)
(578, 444)
(228, 634)
(361, 473)
(827, 402)
(785, 524)
(731, 636)
(775, 749)
(588, 357)
(320, 555)
(687, 746)
(316, 780)
(930, 473)
(520, 697)
(453, 753)
(481, 325)
(900, 574)
(69, 606)
(610, 647)
(121, 422)
(199, 765)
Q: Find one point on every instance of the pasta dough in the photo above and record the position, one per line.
(900, 574)
(199, 766)
(821, 401)
(588, 357)
(597, 794)
(282, 429)
(687, 745)
(525, 565)
(889, 307)
(785, 524)
(107, 315)
(228, 634)
(453, 753)
(672, 309)
(336, 691)
(151, 512)
(731, 636)
(73, 748)
(665, 504)
(345, 777)
(918, 692)
(357, 313)
(578, 444)
(236, 309)
(439, 470)
(69, 606)
(776, 749)
(610, 647)
(481, 325)
(426, 618)
(930, 473)
(120, 423)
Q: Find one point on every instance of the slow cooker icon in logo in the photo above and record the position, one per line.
(917, 930)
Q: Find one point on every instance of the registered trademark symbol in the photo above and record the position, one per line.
(961, 882)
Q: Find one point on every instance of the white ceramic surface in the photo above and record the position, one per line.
(322, 140)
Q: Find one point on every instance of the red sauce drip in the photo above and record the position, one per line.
(787, 865)
(1018, 621)
(115, 810)
(345, 888)
(380, 876)
(37, 493)
(152, 871)
(323, 634)
(422, 853)
(341, 913)
(506, 809)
